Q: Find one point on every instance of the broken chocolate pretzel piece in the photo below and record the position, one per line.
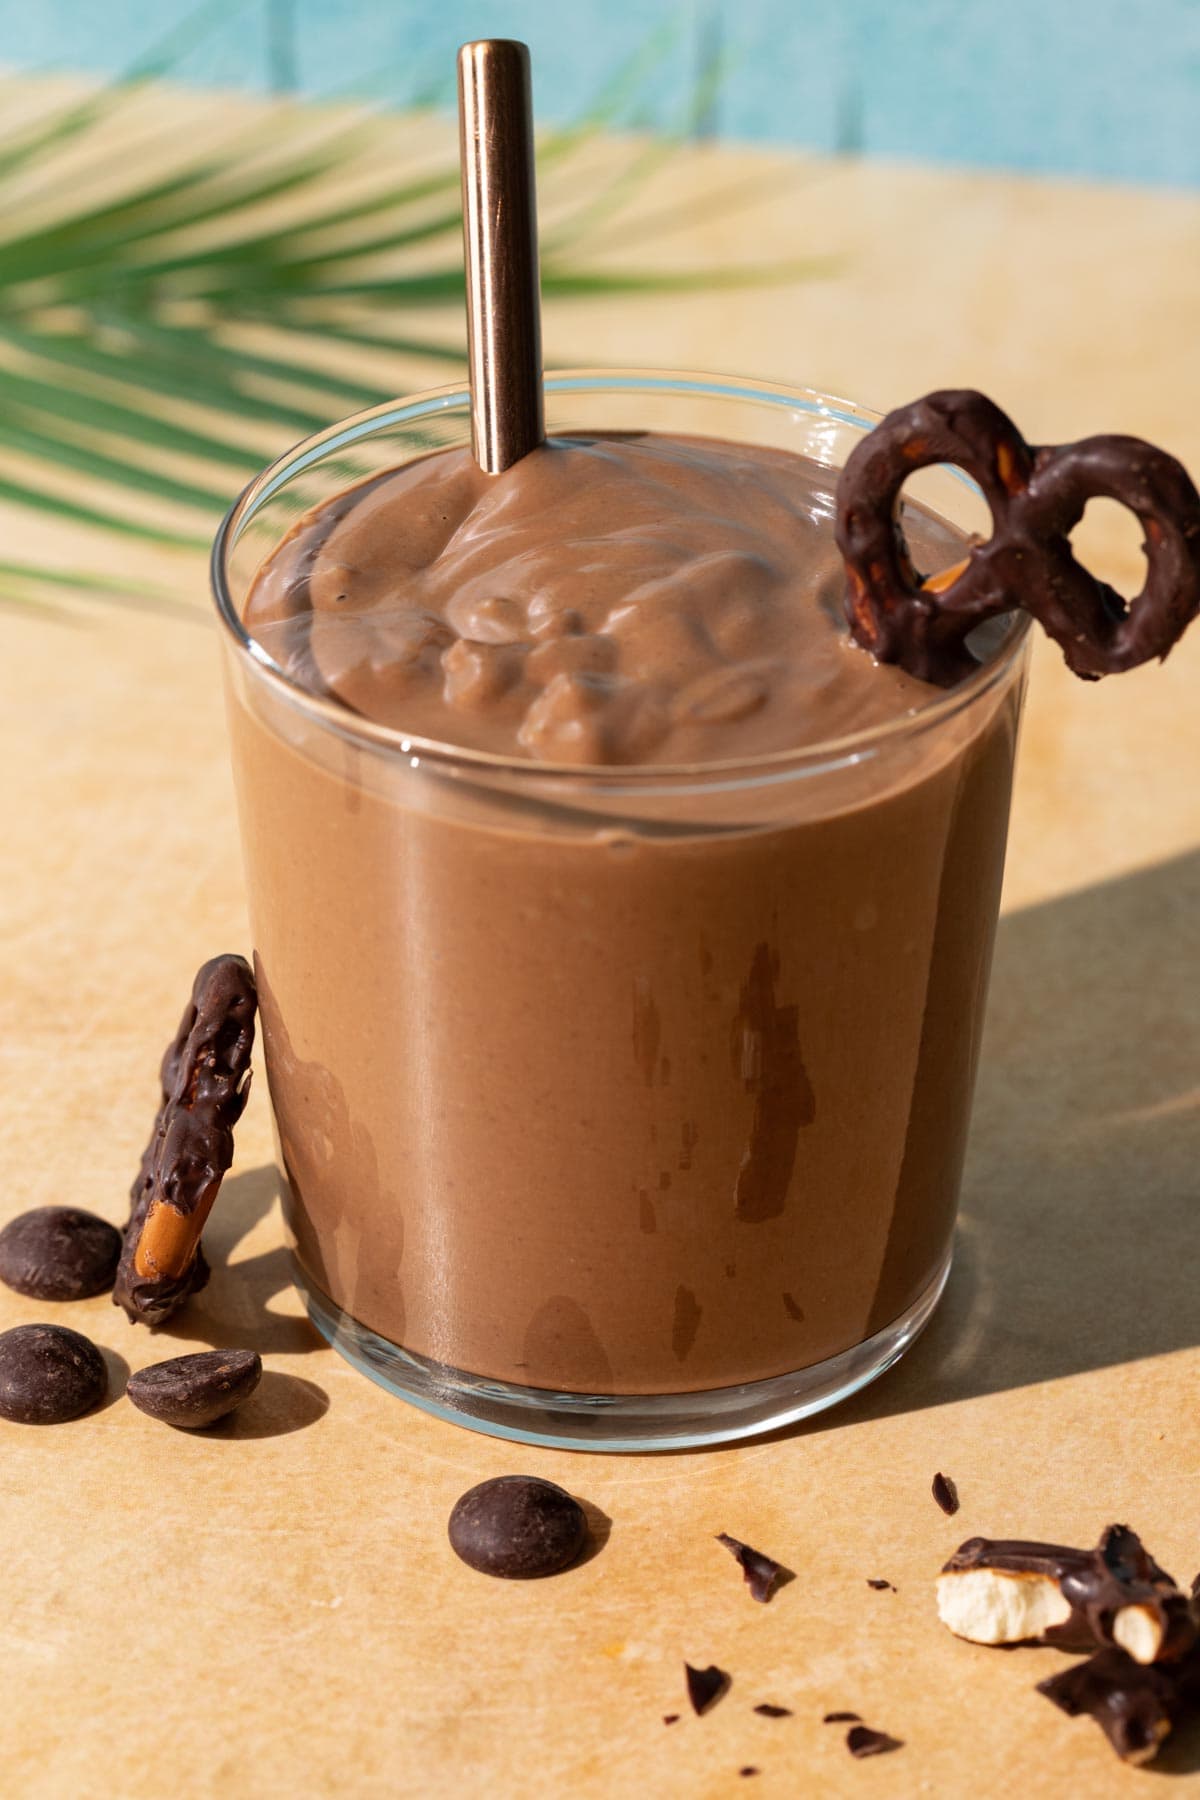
(1009, 1591)
(1037, 496)
(205, 1078)
(1130, 1602)
(1135, 1706)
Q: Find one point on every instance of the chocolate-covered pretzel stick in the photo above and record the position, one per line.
(997, 1591)
(206, 1077)
(1036, 496)
(1136, 1707)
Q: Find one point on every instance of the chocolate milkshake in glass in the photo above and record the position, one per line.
(622, 928)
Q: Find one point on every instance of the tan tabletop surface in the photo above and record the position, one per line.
(272, 1609)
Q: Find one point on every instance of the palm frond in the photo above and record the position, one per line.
(174, 312)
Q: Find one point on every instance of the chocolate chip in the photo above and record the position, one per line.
(945, 1493)
(59, 1253)
(48, 1374)
(761, 1572)
(842, 1718)
(773, 1712)
(193, 1391)
(705, 1686)
(517, 1527)
(862, 1741)
(877, 1582)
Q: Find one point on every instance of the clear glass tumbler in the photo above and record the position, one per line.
(618, 1108)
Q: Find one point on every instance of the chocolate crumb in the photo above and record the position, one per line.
(842, 1718)
(946, 1494)
(879, 1584)
(670, 1718)
(748, 1770)
(862, 1741)
(768, 1711)
(761, 1572)
(705, 1686)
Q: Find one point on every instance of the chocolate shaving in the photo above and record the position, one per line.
(1037, 496)
(842, 1718)
(861, 1740)
(768, 1711)
(670, 1718)
(945, 1493)
(205, 1079)
(1135, 1706)
(705, 1686)
(879, 1584)
(749, 1770)
(761, 1572)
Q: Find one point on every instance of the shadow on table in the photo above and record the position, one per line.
(1079, 1230)
(233, 1311)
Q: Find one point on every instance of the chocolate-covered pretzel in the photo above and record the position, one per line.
(1036, 495)
(205, 1079)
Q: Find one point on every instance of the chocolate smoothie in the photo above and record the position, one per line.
(619, 1086)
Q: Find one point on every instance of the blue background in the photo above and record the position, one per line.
(1104, 88)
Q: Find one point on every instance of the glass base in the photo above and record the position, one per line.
(624, 1422)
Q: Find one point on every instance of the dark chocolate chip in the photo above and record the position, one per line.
(945, 1493)
(773, 1712)
(705, 1686)
(48, 1374)
(517, 1527)
(193, 1391)
(842, 1718)
(879, 1584)
(761, 1572)
(862, 1741)
(59, 1253)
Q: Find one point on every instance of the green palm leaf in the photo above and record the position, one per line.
(175, 317)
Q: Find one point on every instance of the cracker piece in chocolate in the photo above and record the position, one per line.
(206, 1077)
(705, 1686)
(1135, 1705)
(517, 1527)
(59, 1253)
(49, 1375)
(762, 1573)
(191, 1392)
(1037, 496)
(862, 1741)
(1127, 1599)
(1010, 1591)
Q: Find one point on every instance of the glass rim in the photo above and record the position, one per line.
(343, 721)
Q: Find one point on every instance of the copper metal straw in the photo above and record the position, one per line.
(504, 331)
